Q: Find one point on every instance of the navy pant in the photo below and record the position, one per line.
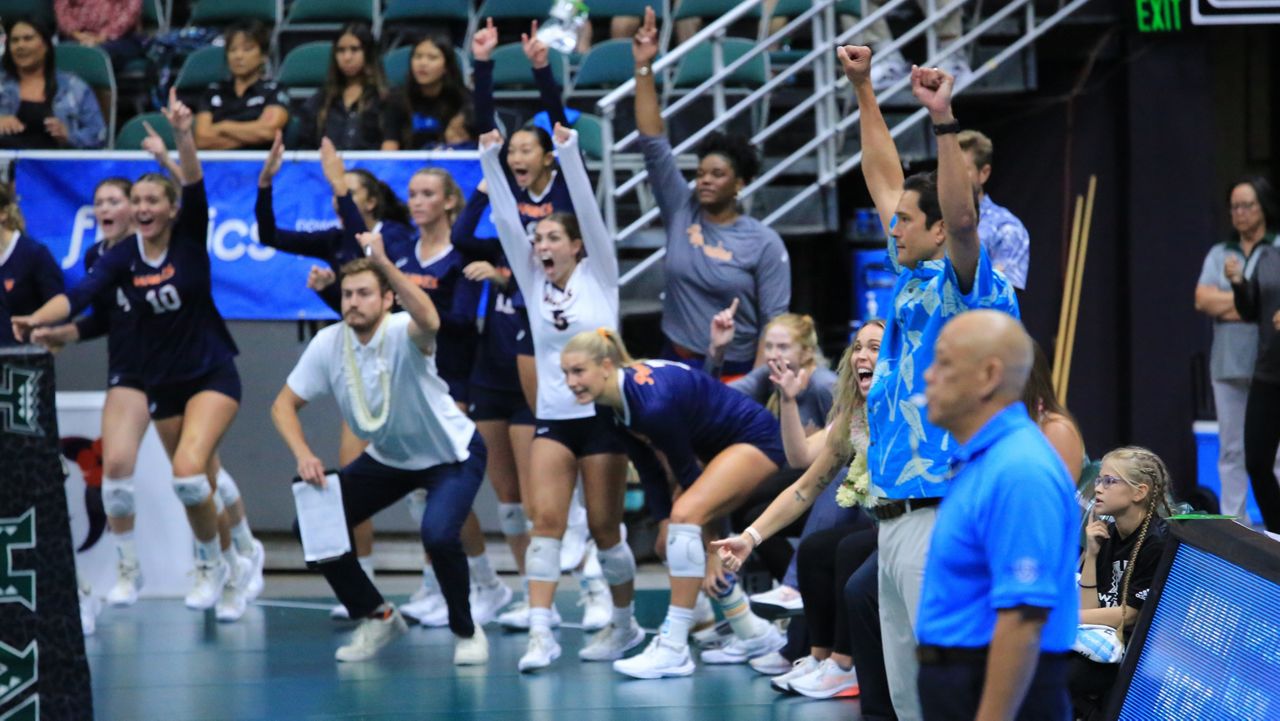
(951, 691)
(369, 486)
(1261, 438)
(862, 610)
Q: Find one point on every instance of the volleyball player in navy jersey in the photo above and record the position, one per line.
(29, 276)
(569, 293)
(187, 353)
(716, 443)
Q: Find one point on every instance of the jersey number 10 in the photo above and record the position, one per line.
(164, 299)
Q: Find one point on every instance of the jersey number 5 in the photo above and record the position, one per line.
(558, 319)
(164, 299)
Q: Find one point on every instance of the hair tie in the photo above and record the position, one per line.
(604, 332)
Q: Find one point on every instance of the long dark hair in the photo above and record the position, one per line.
(1261, 187)
(454, 96)
(1038, 395)
(50, 63)
(373, 80)
(389, 206)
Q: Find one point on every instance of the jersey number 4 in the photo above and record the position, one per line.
(164, 299)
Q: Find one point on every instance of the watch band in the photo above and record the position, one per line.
(946, 128)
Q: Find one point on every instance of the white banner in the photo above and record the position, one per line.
(163, 537)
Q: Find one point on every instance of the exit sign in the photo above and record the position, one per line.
(1159, 16)
(1234, 12)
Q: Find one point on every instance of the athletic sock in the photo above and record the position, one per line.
(366, 565)
(126, 548)
(208, 551)
(539, 618)
(242, 536)
(676, 628)
(429, 580)
(622, 615)
(738, 613)
(482, 573)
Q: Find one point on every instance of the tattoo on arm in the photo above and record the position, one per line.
(800, 497)
(825, 479)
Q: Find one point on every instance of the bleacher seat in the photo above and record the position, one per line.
(395, 64)
(696, 67)
(711, 9)
(154, 17)
(589, 137)
(514, 9)
(305, 68)
(216, 13)
(133, 132)
(204, 66)
(38, 10)
(511, 69)
(93, 66)
(320, 15)
(605, 67)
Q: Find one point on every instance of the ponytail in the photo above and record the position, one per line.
(599, 344)
(389, 206)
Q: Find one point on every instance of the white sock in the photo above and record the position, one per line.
(242, 536)
(676, 628)
(429, 580)
(126, 548)
(738, 613)
(209, 551)
(622, 616)
(481, 571)
(366, 565)
(230, 556)
(539, 618)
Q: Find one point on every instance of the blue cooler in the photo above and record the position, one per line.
(873, 281)
(1207, 466)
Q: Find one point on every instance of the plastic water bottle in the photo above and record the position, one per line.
(560, 31)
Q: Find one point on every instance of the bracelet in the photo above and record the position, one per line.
(644, 70)
(754, 535)
(1084, 586)
(946, 128)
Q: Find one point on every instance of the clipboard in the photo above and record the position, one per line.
(322, 522)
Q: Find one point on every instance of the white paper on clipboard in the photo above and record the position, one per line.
(321, 520)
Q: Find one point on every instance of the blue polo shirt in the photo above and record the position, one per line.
(907, 455)
(1005, 537)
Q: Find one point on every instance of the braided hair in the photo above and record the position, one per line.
(1140, 467)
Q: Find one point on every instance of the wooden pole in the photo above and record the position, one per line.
(1075, 294)
(1060, 346)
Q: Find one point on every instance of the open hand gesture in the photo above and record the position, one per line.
(178, 114)
(644, 45)
(722, 327)
(932, 87)
(786, 379)
(856, 61)
(331, 164)
(534, 49)
(484, 41)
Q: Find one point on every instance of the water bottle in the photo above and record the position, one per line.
(560, 31)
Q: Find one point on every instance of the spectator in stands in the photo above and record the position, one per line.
(434, 109)
(1254, 221)
(1055, 421)
(1257, 296)
(245, 112)
(347, 110)
(40, 106)
(714, 252)
(1001, 233)
(29, 276)
(108, 24)
(1120, 561)
(891, 67)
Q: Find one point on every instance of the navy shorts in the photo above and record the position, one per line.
(170, 399)
(124, 379)
(582, 436)
(524, 337)
(459, 388)
(494, 405)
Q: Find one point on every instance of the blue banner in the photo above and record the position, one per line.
(250, 281)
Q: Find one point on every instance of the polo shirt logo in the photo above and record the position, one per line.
(1026, 570)
(8, 284)
(216, 101)
(259, 100)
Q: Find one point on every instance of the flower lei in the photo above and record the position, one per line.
(365, 420)
(854, 490)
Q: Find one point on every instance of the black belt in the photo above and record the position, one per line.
(938, 655)
(893, 509)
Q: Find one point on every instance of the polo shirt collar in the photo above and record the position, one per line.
(1000, 425)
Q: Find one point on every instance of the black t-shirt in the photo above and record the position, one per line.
(348, 128)
(1113, 558)
(419, 123)
(33, 135)
(221, 101)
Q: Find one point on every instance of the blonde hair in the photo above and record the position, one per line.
(804, 333)
(1138, 466)
(10, 214)
(599, 344)
(451, 190)
(846, 403)
(979, 144)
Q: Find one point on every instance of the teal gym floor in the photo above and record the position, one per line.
(159, 661)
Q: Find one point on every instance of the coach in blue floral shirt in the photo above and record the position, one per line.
(1001, 233)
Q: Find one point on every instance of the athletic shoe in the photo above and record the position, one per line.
(802, 667)
(423, 591)
(741, 650)
(957, 65)
(211, 576)
(826, 681)
(597, 604)
(471, 651)
(234, 599)
(704, 616)
(781, 601)
(371, 635)
(89, 607)
(128, 583)
(887, 71)
(258, 559)
(713, 637)
(516, 618)
(612, 643)
(660, 659)
(573, 547)
(430, 610)
(542, 650)
(486, 600)
(770, 664)
(339, 613)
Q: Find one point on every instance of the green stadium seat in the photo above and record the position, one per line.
(133, 132)
(93, 66)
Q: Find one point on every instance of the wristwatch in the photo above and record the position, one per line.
(946, 128)
(644, 70)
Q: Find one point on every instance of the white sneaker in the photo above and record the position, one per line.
(429, 610)
(542, 650)
(597, 604)
(704, 615)
(486, 600)
(573, 547)
(783, 600)
(370, 636)
(234, 599)
(741, 650)
(516, 617)
(423, 591)
(660, 659)
(713, 637)
(612, 643)
(128, 583)
(90, 605)
(210, 578)
(888, 70)
(258, 560)
(472, 651)
(770, 664)
(826, 681)
(802, 667)
(958, 66)
(339, 612)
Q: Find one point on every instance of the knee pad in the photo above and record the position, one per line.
(228, 491)
(219, 507)
(686, 557)
(511, 519)
(117, 496)
(417, 505)
(192, 490)
(542, 559)
(618, 564)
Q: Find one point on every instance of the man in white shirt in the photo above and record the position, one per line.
(380, 367)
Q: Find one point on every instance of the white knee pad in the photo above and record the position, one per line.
(542, 559)
(618, 564)
(218, 506)
(192, 490)
(686, 557)
(511, 519)
(117, 496)
(228, 491)
(417, 505)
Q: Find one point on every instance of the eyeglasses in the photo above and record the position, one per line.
(1243, 207)
(1108, 481)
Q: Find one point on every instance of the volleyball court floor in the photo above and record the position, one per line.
(159, 661)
